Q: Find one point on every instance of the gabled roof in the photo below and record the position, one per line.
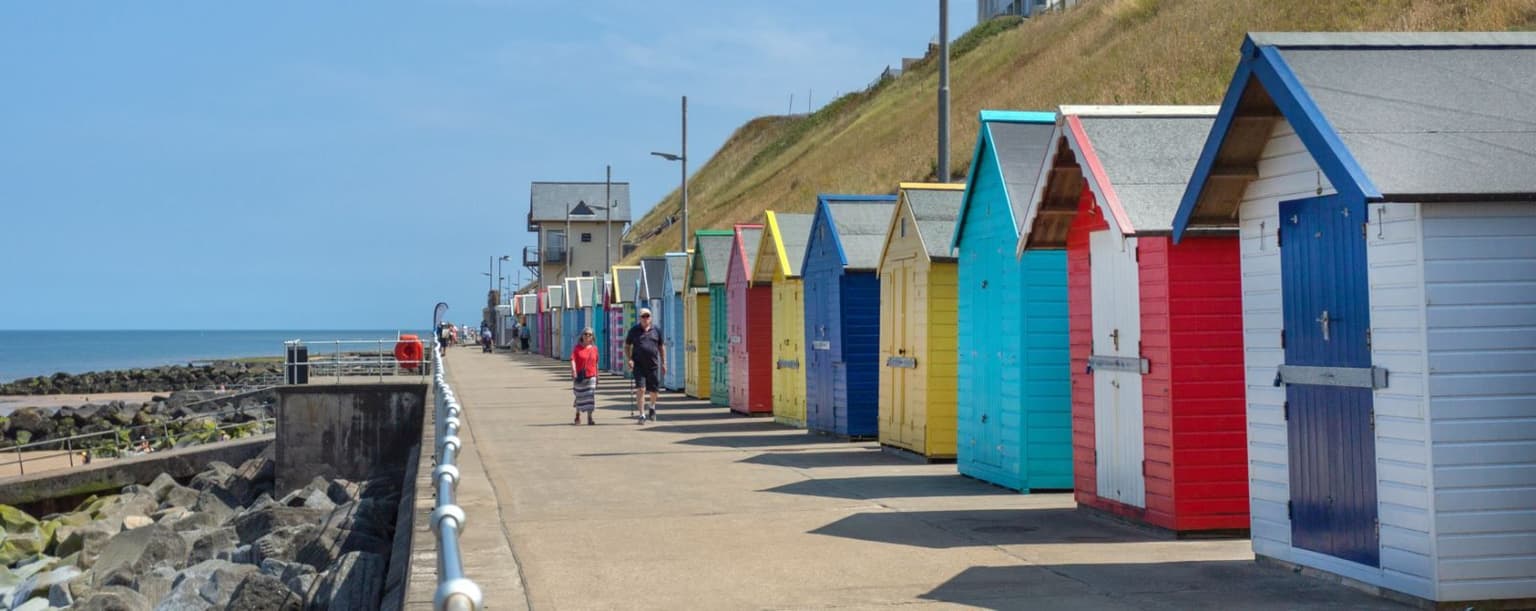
(549, 201)
(744, 247)
(783, 245)
(1136, 160)
(578, 292)
(677, 271)
(859, 223)
(935, 207)
(1387, 117)
(624, 279)
(711, 257)
(1015, 142)
(555, 296)
(652, 272)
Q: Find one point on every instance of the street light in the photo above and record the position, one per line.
(683, 158)
(499, 275)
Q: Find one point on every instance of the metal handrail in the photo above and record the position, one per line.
(455, 591)
(163, 434)
(380, 362)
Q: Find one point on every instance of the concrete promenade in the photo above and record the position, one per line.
(707, 510)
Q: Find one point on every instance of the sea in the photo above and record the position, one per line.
(24, 354)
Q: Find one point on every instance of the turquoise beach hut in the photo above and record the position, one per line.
(672, 283)
(1014, 412)
(598, 317)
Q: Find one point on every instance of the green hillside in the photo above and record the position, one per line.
(1101, 52)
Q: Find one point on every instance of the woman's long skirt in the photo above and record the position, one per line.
(586, 394)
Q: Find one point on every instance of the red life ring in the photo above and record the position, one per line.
(408, 352)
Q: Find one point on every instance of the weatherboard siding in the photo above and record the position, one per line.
(1480, 289)
(858, 387)
(789, 345)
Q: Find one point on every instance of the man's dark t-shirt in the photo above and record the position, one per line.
(647, 343)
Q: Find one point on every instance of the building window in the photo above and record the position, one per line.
(586, 274)
(586, 237)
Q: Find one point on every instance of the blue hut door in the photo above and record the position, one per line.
(819, 371)
(1329, 379)
(1119, 443)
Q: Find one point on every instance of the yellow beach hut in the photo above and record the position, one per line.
(918, 325)
(778, 262)
(711, 253)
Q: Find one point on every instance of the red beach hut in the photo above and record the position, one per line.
(749, 327)
(1155, 328)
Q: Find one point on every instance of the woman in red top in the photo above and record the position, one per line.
(584, 375)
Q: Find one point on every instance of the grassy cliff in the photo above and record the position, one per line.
(1102, 52)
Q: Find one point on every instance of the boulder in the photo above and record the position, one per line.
(179, 496)
(34, 420)
(60, 596)
(216, 476)
(140, 549)
(284, 543)
(341, 491)
(207, 584)
(197, 520)
(113, 509)
(260, 592)
(170, 515)
(326, 547)
(163, 483)
(35, 604)
(156, 584)
(209, 502)
(87, 541)
(132, 522)
(113, 598)
(252, 525)
(357, 582)
(208, 543)
(318, 499)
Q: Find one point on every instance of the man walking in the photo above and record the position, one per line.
(647, 358)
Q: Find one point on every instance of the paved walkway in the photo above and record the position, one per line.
(707, 510)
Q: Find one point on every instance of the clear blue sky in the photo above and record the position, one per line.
(300, 164)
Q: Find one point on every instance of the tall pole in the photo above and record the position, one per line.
(684, 240)
(943, 91)
(608, 230)
(490, 280)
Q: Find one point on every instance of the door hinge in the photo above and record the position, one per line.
(1282, 339)
(1290, 510)
(1373, 420)
(1280, 236)
(1285, 410)
(1136, 253)
(1143, 467)
(1363, 232)
(1367, 339)
(1376, 526)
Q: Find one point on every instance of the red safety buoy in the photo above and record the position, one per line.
(408, 352)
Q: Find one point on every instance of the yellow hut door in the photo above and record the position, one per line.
(896, 298)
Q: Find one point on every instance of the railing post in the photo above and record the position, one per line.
(21, 469)
(69, 443)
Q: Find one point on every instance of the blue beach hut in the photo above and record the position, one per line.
(842, 314)
(1014, 412)
(673, 283)
(1382, 188)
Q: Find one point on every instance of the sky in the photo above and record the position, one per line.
(347, 165)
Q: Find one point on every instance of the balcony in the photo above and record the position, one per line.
(551, 255)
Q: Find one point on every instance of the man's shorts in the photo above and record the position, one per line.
(648, 377)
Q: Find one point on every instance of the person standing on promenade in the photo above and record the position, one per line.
(647, 356)
(444, 337)
(525, 336)
(584, 375)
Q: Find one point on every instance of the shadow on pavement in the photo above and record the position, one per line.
(891, 486)
(853, 457)
(738, 425)
(982, 527)
(787, 438)
(1215, 585)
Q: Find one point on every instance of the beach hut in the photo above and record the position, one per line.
(711, 249)
(842, 314)
(558, 349)
(540, 320)
(712, 256)
(1155, 327)
(918, 307)
(1014, 421)
(673, 333)
(574, 318)
(1381, 186)
(779, 255)
(651, 294)
(599, 320)
(621, 314)
(750, 327)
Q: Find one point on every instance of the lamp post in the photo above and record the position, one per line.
(683, 157)
(499, 275)
(943, 165)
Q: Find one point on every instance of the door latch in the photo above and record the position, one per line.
(1324, 320)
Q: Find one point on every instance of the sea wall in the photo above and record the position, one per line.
(111, 475)
(352, 431)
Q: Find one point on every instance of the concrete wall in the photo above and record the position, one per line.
(111, 475)
(352, 431)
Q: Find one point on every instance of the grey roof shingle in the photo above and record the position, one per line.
(677, 268)
(795, 232)
(625, 278)
(1426, 114)
(1021, 150)
(936, 212)
(861, 227)
(715, 252)
(549, 201)
(1148, 161)
(652, 269)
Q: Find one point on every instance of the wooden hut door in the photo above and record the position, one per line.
(1328, 379)
(900, 319)
(1116, 362)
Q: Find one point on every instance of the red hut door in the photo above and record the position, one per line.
(1116, 363)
